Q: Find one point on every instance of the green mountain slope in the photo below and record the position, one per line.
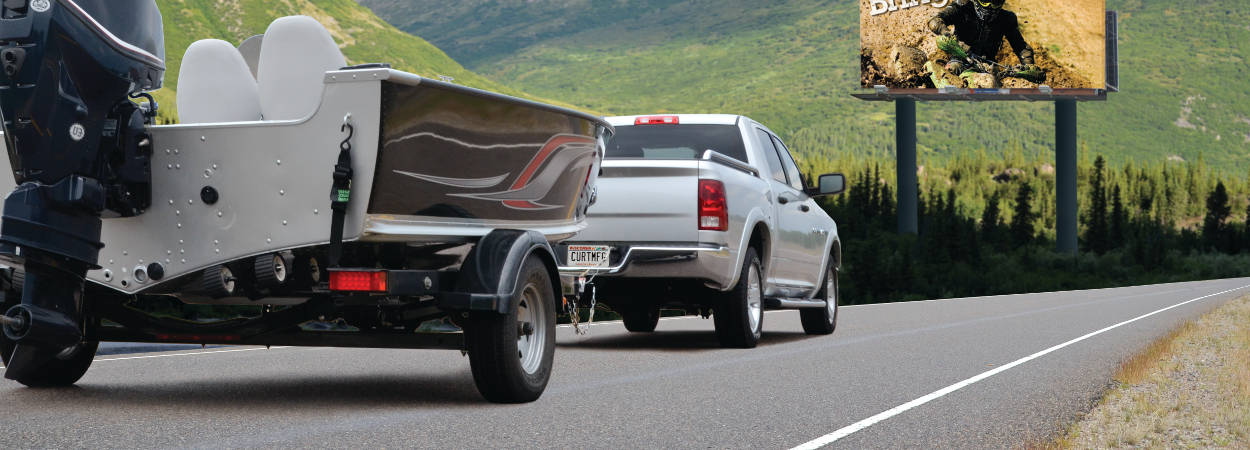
(361, 35)
(1185, 75)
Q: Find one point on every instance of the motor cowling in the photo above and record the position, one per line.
(77, 143)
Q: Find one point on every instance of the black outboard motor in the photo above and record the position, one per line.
(78, 147)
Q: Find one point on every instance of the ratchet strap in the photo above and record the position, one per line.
(340, 193)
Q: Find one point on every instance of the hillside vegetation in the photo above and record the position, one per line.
(361, 35)
(1185, 75)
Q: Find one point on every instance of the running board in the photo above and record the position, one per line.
(790, 303)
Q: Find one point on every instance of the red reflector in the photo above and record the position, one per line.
(656, 120)
(357, 281)
(713, 208)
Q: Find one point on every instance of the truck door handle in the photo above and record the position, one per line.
(804, 208)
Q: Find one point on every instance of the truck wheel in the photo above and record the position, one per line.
(641, 319)
(740, 315)
(823, 320)
(511, 355)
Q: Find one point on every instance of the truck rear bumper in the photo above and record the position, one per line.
(712, 263)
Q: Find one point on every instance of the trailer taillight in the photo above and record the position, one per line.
(656, 120)
(358, 280)
(713, 208)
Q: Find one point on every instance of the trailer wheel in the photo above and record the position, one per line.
(823, 320)
(640, 318)
(63, 368)
(739, 316)
(511, 355)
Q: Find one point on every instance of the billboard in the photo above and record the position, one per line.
(983, 44)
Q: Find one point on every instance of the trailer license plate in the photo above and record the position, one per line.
(593, 256)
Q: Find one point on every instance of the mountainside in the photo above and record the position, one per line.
(361, 35)
(792, 64)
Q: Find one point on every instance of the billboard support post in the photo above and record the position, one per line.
(1065, 176)
(908, 191)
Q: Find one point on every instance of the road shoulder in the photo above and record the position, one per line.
(1189, 389)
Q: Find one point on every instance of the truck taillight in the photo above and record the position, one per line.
(713, 209)
(358, 280)
(656, 120)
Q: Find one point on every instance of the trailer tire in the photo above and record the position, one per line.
(739, 315)
(510, 366)
(641, 318)
(823, 320)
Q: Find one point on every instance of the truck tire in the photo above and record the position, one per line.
(64, 368)
(739, 316)
(641, 318)
(511, 361)
(823, 320)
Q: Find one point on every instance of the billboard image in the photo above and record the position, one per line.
(983, 44)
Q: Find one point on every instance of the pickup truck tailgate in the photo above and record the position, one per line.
(644, 201)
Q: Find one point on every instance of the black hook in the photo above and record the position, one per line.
(346, 145)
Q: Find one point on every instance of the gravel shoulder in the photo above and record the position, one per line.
(1189, 389)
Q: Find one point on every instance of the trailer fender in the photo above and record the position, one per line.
(489, 277)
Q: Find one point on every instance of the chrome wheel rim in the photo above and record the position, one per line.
(831, 295)
(531, 329)
(755, 295)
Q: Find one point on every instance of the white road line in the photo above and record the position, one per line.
(166, 355)
(187, 354)
(857, 426)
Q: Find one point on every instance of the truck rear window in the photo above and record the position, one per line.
(675, 141)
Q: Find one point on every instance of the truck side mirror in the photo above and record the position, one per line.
(828, 184)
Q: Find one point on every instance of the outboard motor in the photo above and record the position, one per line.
(78, 147)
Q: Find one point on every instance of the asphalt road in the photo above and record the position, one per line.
(673, 388)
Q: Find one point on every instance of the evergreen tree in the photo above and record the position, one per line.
(1096, 218)
(1217, 212)
(1022, 230)
(1119, 219)
(990, 220)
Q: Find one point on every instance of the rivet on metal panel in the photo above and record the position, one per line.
(281, 191)
(208, 173)
(279, 162)
(168, 151)
(169, 252)
(316, 211)
(176, 151)
(182, 251)
(179, 225)
(171, 201)
(169, 166)
(203, 138)
(184, 260)
(190, 201)
(284, 223)
(268, 240)
(215, 242)
(218, 213)
(166, 260)
(214, 167)
(108, 275)
(110, 261)
(180, 242)
(125, 252)
(178, 166)
(177, 212)
(217, 250)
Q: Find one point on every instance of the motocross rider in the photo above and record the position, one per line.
(982, 25)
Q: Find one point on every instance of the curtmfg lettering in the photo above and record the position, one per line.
(883, 6)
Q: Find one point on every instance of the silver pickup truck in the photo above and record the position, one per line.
(708, 213)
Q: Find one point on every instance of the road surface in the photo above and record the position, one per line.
(966, 373)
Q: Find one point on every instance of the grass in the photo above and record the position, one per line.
(792, 64)
(1189, 389)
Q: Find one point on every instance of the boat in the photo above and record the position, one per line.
(357, 205)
